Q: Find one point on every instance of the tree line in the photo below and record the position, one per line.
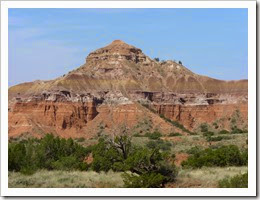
(151, 165)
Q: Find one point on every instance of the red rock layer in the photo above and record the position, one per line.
(193, 115)
(68, 119)
(44, 117)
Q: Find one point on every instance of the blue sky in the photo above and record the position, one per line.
(47, 43)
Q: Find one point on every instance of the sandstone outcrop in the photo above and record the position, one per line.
(120, 85)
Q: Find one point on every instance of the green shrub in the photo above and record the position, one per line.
(137, 135)
(223, 132)
(236, 130)
(174, 134)
(194, 150)
(105, 157)
(238, 181)
(208, 134)
(154, 136)
(223, 156)
(16, 156)
(69, 163)
(51, 149)
(81, 139)
(160, 144)
(22, 156)
(204, 127)
(215, 125)
(218, 138)
(147, 166)
(152, 144)
(47, 153)
(244, 155)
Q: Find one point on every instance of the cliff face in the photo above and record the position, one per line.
(192, 116)
(113, 89)
(32, 116)
(70, 119)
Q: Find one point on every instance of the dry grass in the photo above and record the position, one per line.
(236, 139)
(207, 177)
(184, 143)
(194, 178)
(65, 179)
(140, 141)
(187, 178)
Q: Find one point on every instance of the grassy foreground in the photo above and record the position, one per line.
(65, 179)
(196, 178)
(206, 177)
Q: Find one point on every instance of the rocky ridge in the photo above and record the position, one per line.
(120, 81)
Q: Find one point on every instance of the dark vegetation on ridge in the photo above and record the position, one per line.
(174, 123)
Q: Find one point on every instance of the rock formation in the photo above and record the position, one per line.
(119, 85)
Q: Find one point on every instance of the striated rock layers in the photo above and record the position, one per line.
(120, 86)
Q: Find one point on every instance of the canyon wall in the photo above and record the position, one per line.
(83, 115)
(191, 116)
(120, 86)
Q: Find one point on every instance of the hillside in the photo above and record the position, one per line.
(120, 86)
